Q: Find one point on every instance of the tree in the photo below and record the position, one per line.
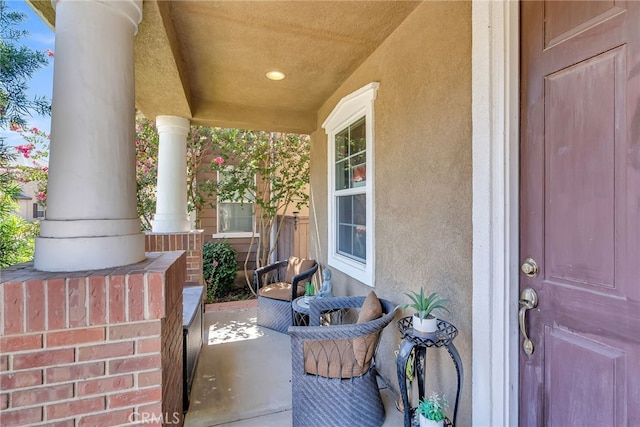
(17, 65)
(16, 234)
(9, 188)
(35, 152)
(272, 170)
(146, 170)
(280, 162)
(199, 145)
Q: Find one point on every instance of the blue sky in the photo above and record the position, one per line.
(40, 38)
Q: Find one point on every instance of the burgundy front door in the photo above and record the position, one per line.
(580, 212)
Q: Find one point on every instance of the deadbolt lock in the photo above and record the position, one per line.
(529, 267)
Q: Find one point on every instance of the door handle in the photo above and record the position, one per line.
(528, 300)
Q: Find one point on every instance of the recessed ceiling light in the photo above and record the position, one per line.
(275, 75)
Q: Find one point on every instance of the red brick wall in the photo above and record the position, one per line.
(190, 241)
(94, 348)
(171, 350)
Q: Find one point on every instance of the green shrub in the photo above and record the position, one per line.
(17, 238)
(219, 268)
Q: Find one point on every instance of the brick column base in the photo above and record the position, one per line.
(92, 348)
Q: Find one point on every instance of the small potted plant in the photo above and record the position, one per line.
(309, 291)
(423, 320)
(431, 411)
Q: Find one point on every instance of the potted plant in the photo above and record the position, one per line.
(431, 411)
(423, 320)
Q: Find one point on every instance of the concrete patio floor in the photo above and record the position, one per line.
(243, 375)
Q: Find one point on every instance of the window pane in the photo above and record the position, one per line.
(351, 156)
(344, 239)
(235, 218)
(345, 210)
(358, 137)
(342, 149)
(359, 170)
(342, 175)
(360, 209)
(352, 230)
(360, 242)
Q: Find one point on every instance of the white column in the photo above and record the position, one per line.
(92, 222)
(171, 197)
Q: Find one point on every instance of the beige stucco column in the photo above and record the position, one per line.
(171, 198)
(92, 221)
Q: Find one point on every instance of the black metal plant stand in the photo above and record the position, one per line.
(411, 341)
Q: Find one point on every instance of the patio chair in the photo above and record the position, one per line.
(276, 290)
(333, 376)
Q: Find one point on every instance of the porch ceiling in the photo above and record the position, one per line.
(206, 60)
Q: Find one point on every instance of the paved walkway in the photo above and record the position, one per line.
(243, 376)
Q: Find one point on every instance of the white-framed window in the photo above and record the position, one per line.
(234, 219)
(350, 142)
(38, 211)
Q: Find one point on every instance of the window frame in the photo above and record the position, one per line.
(348, 111)
(233, 234)
(38, 211)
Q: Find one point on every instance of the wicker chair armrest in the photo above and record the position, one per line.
(339, 332)
(321, 305)
(299, 278)
(304, 275)
(259, 273)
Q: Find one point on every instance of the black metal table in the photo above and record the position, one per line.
(300, 312)
(419, 343)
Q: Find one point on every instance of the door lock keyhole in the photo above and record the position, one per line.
(529, 267)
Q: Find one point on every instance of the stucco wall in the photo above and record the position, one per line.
(423, 181)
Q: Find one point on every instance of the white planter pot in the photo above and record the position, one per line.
(425, 326)
(429, 423)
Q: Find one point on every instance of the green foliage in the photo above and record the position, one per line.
(9, 189)
(16, 235)
(17, 241)
(200, 144)
(17, 66)
(146, 170)
(219, 261)
(35, 151)
(425, 306)
(271, 169)
(433, 408)
(200, 141)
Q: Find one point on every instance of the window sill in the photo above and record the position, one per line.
(233, 235)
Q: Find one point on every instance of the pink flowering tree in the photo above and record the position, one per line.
(146, 170)
(200, 141)
(35, 152)
(270, 169)
(200, 144)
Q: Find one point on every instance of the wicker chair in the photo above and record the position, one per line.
(277, 285)
(333, 375)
